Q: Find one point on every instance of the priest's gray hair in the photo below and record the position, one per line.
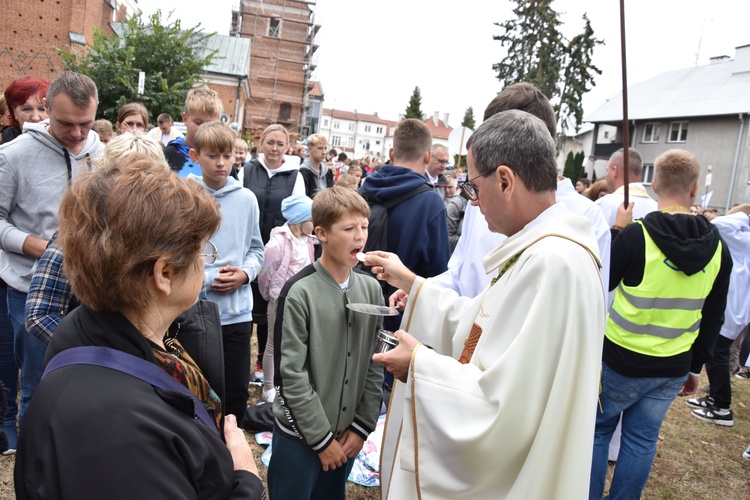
(520, 141)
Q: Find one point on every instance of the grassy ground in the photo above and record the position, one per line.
(695, 459)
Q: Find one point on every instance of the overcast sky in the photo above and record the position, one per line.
(373, 53)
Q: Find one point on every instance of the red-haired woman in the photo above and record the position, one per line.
(24, 99)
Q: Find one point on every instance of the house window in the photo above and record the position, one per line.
(678, 132)
(336, 140)
(379, 130)
(350, 142)
(336, 125)
(366, 145)
(377, 143)
(651, 132)
(325, 122)
(648, 174)
(274, 27)
(351, 127)
(368, 128)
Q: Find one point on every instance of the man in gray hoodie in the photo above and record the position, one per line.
(35, 170)
(314, 171)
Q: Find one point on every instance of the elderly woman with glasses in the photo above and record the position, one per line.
(137, 418)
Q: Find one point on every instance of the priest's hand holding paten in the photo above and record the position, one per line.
(398, 299)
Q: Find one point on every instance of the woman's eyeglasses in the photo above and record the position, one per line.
(210, 253)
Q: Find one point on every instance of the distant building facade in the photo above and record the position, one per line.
(703, 109)
(356, 134)
(282, 33)
(314, 115)
(361, 134)
(228, 75)
(30, 30)
(440, 129)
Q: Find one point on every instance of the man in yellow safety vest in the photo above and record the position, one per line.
(671, 273)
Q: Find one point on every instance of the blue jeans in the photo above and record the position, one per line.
(29, 350)
(8, 370)
(643, 403)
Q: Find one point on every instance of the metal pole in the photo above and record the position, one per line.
(625, 122)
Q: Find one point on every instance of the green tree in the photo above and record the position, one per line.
(172, 58)
(414, 109)
(578, 77)
(578, 161)
(569, 170)
(573, 169)
(538, 53)
(469, 121)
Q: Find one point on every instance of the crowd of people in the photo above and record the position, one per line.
(137, 261)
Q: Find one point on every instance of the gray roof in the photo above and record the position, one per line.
(711, 90)
(232, 58)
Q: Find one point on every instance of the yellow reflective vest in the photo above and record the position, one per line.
(661, 317)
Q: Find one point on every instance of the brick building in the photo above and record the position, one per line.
(228, 74)
(30, 30)
(283, 44)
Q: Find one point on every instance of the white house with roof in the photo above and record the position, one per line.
(440, 129)
(356, 134)
(360, 134)
(703, 109)
(583, 140)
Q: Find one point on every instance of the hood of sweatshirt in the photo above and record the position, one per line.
(290, 163)
(231, 185)
(688, 241)
(307, 165)
(180, 145)
(92, 147)
(392, 181)
(42, 169)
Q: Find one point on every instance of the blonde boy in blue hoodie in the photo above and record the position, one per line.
(240, 255)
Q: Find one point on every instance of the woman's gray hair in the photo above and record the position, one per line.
(520, 141)
(126, 144)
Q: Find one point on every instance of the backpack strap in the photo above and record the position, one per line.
(131, 365)
(395, 201)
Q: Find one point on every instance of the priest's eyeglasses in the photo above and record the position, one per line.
(210, 253)
(469, 190)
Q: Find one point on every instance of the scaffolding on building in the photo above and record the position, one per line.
(282, 60)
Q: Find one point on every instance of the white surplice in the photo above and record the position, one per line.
(518, 420)
(735, 232)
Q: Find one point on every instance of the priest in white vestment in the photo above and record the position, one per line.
(500, 405)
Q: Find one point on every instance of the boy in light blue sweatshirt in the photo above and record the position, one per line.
(240, 256)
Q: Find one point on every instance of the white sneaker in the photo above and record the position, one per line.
(269, 395)
(746, 453)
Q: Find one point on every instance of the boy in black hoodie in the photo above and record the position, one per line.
(671, 271)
